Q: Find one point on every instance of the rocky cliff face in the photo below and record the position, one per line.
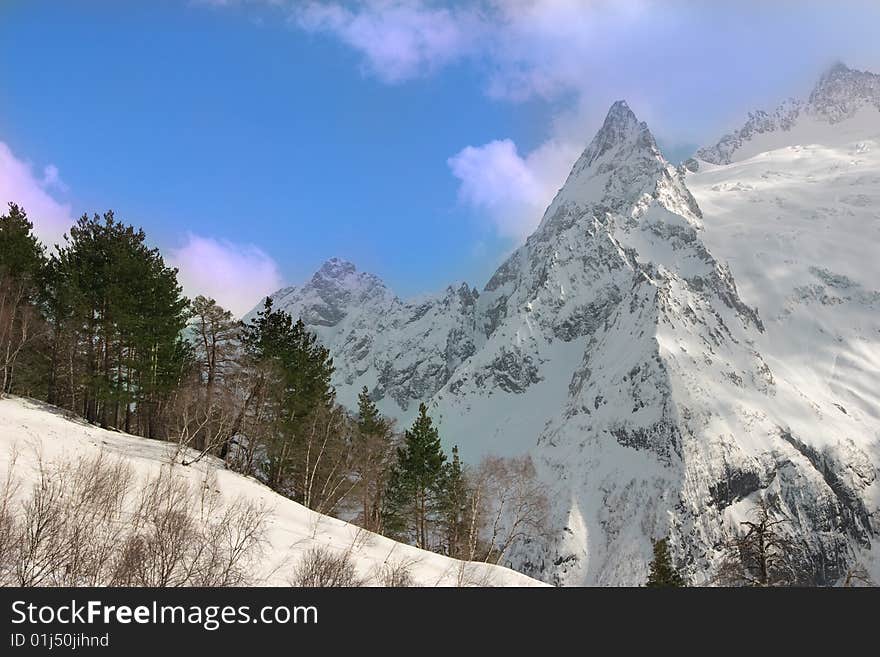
(661, 390)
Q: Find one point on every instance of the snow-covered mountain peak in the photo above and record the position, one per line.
(332, 292)
(621, 140)
(401, 350)
(842, 91)
(344, 275)
(336, 268)
(462, 292)
(841, 96)
(621, 171)
(621, 129)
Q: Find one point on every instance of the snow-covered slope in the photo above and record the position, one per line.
(671, 357)
(32, 431)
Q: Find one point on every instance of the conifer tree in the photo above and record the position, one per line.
(374, 454)
(21, 254)
(456, 508)
(662, 571)
(22, 264)
(117, 313)
(369, 419)
(292, 381)
(415, 490)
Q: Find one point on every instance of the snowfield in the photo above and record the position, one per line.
(800, 228)
(33, 430)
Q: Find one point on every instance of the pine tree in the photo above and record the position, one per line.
(369, 419)
(374, 455)
(305, 365)
(415, 489)
(117, 312)
(662, 572)
(292, 379)
(21, 254)
(22, 266)
(456, 511)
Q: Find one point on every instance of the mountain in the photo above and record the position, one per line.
(671, 344)
(842, 96)
(403, 351)
(641, 335)
(33, 435)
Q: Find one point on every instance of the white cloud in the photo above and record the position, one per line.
(547, 48)
(236, 275)
(534, 47)
(670, 60)
(19, 184)
(512, 190)
(400, 40)
(52, 179)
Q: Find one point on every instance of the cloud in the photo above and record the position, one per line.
(669, 50)
(236, 275)
(18, 183)
(52, 179)
(548, 48)
(512, 190)
(399, 40)
(534, 47)
(690, 69)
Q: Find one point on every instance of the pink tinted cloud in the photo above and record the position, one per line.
(238, 276)
(19, 184)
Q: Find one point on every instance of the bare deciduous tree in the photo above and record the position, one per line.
(22, 259)
(509, 505)
(395, 574)
(321, 567)
(763, 555)
(326, 455)
(857, 575)
(85, 524)
(20, 324)
(195, 423)
(217, 333)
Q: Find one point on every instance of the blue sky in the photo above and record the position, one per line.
(252, 139)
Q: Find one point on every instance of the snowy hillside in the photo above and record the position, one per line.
(671, 344)
(33, 431)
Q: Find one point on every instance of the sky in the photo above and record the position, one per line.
(254, 139)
